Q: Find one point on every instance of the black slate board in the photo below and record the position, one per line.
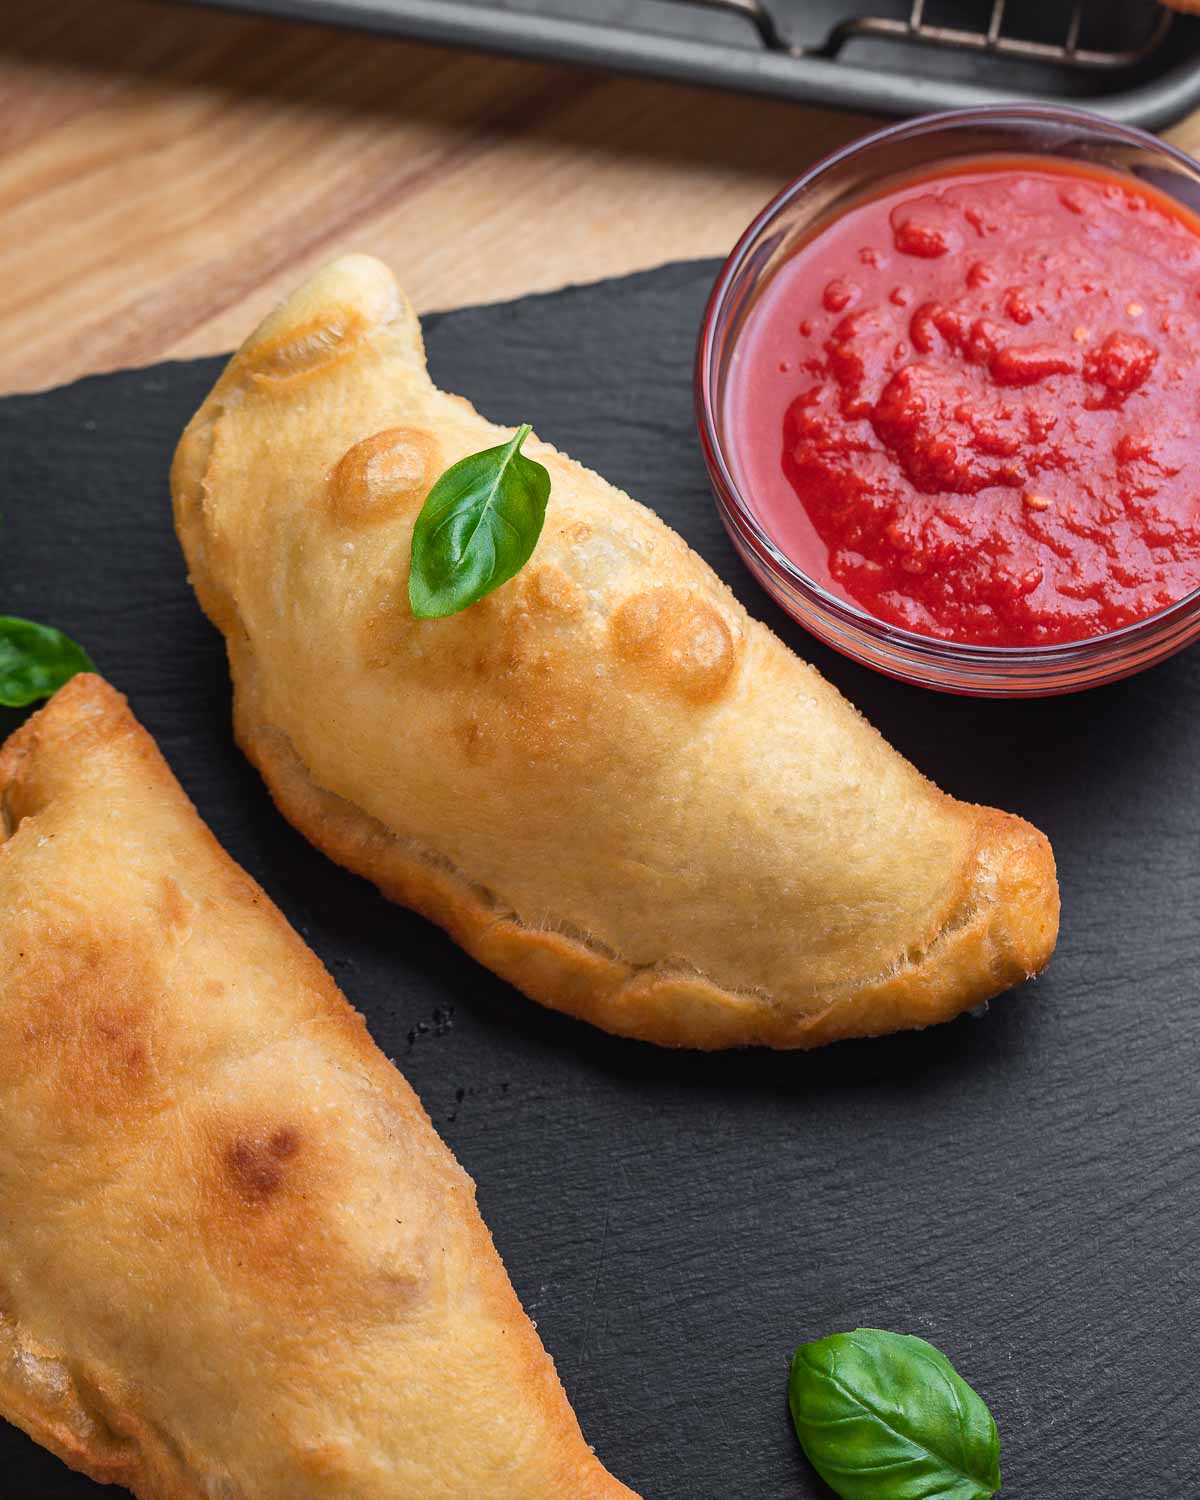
(1019, 1189)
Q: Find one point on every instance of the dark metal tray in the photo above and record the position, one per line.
(1129, 59)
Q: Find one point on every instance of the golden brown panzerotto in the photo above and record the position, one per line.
(236, 1262)
(605, 780)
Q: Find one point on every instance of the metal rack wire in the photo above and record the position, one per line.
(994, 37)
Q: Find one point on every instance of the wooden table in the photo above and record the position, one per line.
(166, 174)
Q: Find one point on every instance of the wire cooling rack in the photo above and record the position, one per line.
(1131, 59)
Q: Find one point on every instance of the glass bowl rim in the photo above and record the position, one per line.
(927, 647)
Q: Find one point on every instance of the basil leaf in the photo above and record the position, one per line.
(35, 661)
(885, 1416)
(478, 526)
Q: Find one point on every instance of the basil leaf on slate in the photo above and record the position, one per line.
(478, 526)
(885, 1416)
(35, 661)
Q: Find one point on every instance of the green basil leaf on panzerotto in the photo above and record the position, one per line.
(478, 527)
(35, 661)
(885, 1416)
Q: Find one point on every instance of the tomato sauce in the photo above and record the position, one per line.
(971, 404)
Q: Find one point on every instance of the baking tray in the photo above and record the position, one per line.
(1129, 59)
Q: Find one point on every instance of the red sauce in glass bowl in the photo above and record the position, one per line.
(971, 404)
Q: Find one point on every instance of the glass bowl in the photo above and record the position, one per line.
(802, 208)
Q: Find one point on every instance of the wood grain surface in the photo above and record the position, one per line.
(167, 173)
